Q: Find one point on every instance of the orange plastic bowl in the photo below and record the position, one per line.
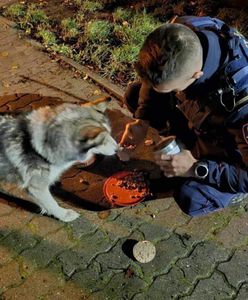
(122, 196)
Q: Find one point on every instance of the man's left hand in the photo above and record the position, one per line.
(181, 164)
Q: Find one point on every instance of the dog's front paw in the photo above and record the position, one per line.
(68, 215)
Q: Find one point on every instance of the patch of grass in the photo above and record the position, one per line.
(69, 28)
(142, 25)
(110, 45)
(98, 31)
(125, 54)
(47, 37)
(15, 11)
(62, 49)
(90, 6)
(32, 19)
(35, 15)
(101, 55)
(131, 36)
(135, 32)
(121, 15)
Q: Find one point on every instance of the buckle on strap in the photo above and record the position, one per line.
(229, 107)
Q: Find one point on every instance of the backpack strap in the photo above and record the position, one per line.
(198, 23)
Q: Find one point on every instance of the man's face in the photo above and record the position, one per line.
(176, 85)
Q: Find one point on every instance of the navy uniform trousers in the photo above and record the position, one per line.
(193, 196)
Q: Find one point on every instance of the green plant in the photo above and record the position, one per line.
(15, 11)
(78, 2)
(69, 28)
(125, 54)
(98, 31)
(142, 25)
(32, 18)
(35, 15)
(134, 33)
(101, 55)
(121, 15)
(62, 49)
(80, 17)
(90, 6)
(48, 37)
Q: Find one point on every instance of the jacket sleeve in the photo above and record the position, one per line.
(233, 177)
(227, 177)
(157, 108)
(144, 102)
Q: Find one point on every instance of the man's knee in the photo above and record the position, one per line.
(183, 197)
(197, 199)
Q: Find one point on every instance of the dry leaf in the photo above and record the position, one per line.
(15, 66)
(97, 92)
(103, 214)
(85, 77)
(4, 54)
(5, 84)
(129, 273)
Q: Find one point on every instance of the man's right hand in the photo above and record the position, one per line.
(134, 133)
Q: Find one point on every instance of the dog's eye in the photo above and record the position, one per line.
(83, 141)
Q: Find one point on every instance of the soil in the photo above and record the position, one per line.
(163, 9)
(56, 9)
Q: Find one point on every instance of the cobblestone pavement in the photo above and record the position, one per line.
(90, 258)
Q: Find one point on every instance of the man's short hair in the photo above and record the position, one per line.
(167, 53)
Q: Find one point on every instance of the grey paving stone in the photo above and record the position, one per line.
(236, 269)
(137, 214)
(235, 233)
(166, 286)
(91, 279)
(115, 259)
(154, 232)
(129, 221)
(80, 256)
(155, 206)
(243, 292)
(82, 226)
(171, 218)
(41, 255)
(121, 286)
(18, 241)
(71, 261)
(202, 260)
(213, 288)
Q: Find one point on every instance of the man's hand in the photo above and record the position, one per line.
(133, 135)
(181, 164)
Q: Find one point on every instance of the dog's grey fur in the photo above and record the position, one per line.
(37, 147)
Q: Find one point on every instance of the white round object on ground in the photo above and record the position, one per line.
(144, 251)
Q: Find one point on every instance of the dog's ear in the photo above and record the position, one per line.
(100, 104)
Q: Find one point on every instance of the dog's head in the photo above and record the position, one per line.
(72, 132)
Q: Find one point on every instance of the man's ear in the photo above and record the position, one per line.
(197, 75)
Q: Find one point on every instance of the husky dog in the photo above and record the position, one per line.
(37, 147)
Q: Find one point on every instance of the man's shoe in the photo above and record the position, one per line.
(239, 197)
